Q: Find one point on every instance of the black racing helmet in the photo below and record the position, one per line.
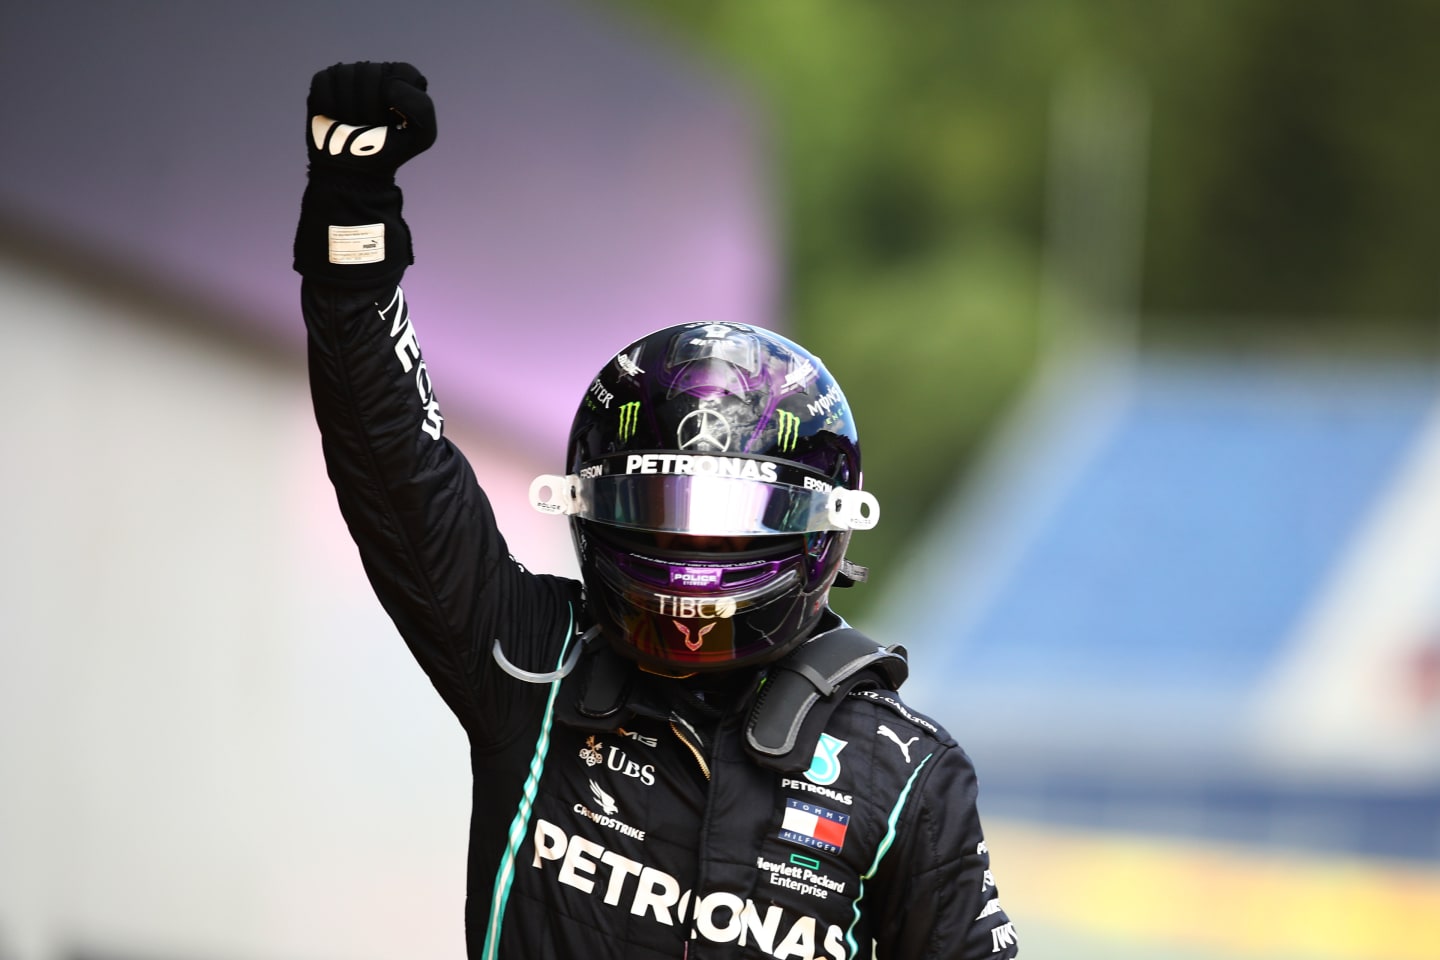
(714, 481)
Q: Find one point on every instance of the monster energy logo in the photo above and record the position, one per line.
(789, 431)
(629, 419)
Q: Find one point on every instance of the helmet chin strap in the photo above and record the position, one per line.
(851, 574)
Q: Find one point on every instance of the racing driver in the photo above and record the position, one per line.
(685, 753)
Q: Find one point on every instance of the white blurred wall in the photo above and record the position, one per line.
(212, 743)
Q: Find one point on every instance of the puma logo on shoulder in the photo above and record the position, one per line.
(885, 731)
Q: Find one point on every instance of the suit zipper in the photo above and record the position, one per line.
(694, 750)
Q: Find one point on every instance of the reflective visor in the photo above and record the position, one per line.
(704, 506)
(704, 496)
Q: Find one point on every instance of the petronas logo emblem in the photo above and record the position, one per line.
(789, 432)
(629, 419)
(825, 768)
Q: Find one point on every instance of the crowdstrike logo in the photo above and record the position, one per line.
(646, 892)
(608, 821)
(605, 801)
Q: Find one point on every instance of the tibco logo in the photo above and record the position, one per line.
(719, 917)
(703, 608)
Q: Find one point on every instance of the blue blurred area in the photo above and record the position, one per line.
(1371, 821)
(1102, 624)
(1181, 555)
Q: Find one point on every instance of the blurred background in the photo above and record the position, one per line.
(1138, 304)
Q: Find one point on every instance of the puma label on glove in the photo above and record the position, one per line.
(363, 120)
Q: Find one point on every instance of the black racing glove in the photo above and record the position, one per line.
(363, 120)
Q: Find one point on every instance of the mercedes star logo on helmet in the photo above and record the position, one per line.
(704, 431)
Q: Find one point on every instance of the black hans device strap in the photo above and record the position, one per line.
(802, 690)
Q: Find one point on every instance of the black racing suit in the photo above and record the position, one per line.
(655, 837)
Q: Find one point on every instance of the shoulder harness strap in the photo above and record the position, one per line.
(597, 695)
(802, 690)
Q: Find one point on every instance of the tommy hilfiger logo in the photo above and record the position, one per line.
(814, 826)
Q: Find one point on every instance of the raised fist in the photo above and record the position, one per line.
(368, 118)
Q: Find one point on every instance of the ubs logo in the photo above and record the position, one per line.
(595, 753)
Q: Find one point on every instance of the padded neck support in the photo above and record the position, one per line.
(803, 689)
(787, 713)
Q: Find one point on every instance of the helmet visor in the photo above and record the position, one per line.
(704, 496)
(705, 506)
